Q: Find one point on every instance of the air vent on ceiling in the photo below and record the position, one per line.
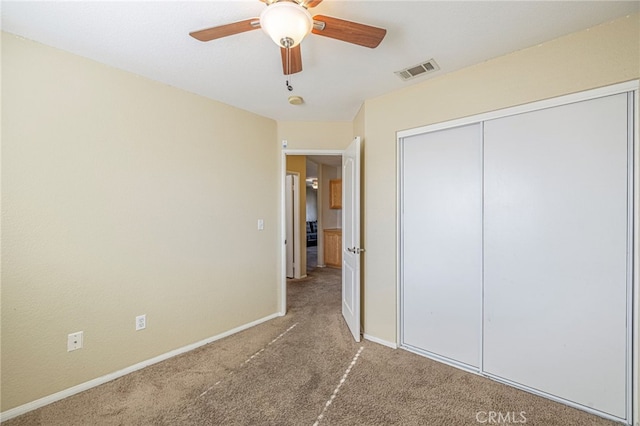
(418, 70)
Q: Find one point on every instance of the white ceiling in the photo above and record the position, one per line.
(152, 39)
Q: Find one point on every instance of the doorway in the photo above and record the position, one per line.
(347, 199)
(318, 217)
(321, 216)
(314, 168)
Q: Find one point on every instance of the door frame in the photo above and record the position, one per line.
(282, 299)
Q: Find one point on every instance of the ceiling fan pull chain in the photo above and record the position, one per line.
(287, 64)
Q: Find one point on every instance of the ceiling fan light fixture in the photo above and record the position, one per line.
(286, 23)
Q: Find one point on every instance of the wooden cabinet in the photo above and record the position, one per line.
(335, 194)
(333, 247)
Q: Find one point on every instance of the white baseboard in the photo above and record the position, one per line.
(380, 341)
(38, 403)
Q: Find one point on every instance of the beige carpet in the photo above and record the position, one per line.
(285, 372)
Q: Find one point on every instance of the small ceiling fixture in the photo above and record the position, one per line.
(296, 100)
(312, 183)
(286, 23)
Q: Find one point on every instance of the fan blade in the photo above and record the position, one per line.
(311, 3)
(291, 60)
(226, 30)
(304, 3)
(348, 31)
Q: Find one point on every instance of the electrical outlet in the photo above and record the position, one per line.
(260, 224)
(74, 341)
(141, 322)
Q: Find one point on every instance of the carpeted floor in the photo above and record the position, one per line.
(302, 369)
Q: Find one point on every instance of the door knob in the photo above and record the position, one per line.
(355, 250)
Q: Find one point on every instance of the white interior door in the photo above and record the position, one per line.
(292, 221)
(442, 243)
(289, 235)
(555, 251)
(351, 237)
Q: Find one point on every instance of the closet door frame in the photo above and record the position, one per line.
(633, 243)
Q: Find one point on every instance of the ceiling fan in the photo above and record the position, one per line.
(287, 22)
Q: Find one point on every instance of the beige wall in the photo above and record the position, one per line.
(359, 123)
(122, 196)
(607, 54)
(317, 135)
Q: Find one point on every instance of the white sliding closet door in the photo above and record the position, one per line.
(442, 243)
(555, 251)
